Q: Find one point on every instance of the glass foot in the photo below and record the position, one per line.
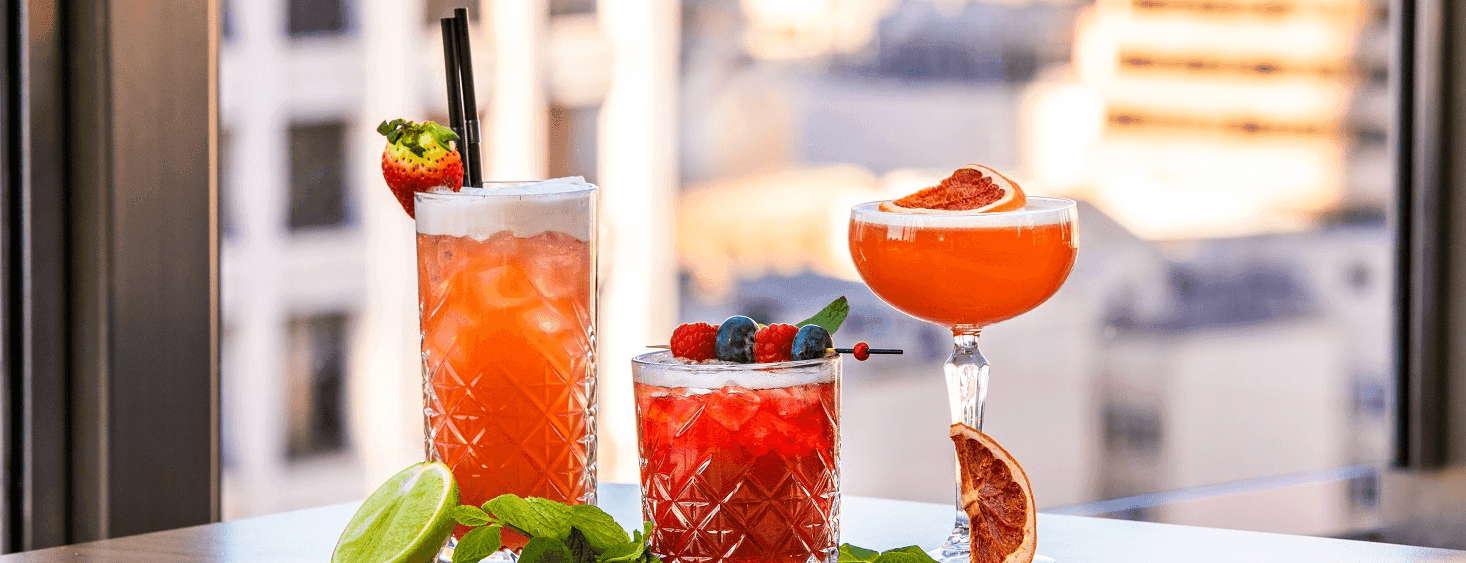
(957, 548)
(445, 555)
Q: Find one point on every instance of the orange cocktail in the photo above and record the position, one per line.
(506, 284)
(938, 270)
(964, 271)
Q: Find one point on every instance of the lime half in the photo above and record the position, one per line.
(405, 521)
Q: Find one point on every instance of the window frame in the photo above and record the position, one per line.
(110, 321)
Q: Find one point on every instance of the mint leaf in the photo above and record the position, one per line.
(580, 549)
(469, 515)
(477, 544)
(908, 554)
(542, 549)
(536, 517)
(599, 528)
(830, 317)
(852, 554)
(905, 556)
(623, 553)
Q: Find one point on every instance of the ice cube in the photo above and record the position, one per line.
(733, 406)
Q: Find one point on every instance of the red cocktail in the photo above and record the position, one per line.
(739, 462)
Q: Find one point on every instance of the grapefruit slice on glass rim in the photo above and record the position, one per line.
(971, 189)
(997, 499)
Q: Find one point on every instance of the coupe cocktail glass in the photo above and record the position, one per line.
(739, 462)
(506, 287)
(965, 271)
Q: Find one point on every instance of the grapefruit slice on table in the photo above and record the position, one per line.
(971, 189)
(997, 499)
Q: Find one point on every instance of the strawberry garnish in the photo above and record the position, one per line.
(419, 157)
(695, 341)
(774, 343)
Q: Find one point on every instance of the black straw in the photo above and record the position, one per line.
(455, 95)
(473, 163)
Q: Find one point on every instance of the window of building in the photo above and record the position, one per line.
(433, 10)
(317, 163)
(316, 17)
(228, 224)
(315, 392)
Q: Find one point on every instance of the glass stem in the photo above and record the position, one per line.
(967, 388)
(967, 379)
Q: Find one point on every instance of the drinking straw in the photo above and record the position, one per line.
(455, 96)
(473, 162)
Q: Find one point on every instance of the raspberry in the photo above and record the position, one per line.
(695, 341)
(773, 343)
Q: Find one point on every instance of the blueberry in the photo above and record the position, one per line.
(811, 342)
(735, 339)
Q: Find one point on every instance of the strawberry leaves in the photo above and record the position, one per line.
(417, 137)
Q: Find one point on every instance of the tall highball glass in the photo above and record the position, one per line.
(507, 302)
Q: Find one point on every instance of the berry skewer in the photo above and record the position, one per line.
(859, 349)
(739, 339)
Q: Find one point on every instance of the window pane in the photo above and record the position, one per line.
(1228, 318)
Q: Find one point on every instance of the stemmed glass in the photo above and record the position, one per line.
(965, 271)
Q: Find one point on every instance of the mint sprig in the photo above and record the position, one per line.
(830, 317)
(557, 533)
(908, 554)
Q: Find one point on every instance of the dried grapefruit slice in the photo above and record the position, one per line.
(996, 498)
(972, 188)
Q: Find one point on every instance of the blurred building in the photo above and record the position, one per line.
(1228, 318)
(293, 253)
(1195, 119)
(321, 391)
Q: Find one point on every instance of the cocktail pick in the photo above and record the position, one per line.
(861, 350)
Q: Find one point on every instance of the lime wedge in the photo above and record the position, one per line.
(405, 521)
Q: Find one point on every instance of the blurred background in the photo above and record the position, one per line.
(1221, 354)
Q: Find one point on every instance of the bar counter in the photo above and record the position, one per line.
(307, 536)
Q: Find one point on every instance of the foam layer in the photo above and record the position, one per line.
(1038, 211)
(663, 370)
(566, 205)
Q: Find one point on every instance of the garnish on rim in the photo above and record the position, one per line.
(419, 157)
(740, 339)
(972, 188)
